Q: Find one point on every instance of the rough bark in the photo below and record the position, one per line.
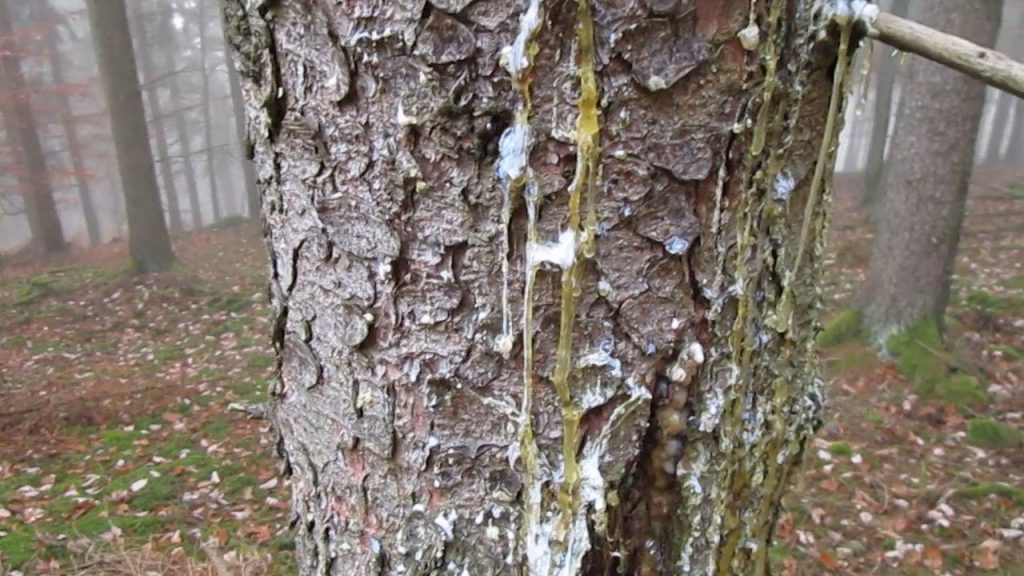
(543, 285)
(156, 119)
(252, 192)
(926, 185)
(67, 119)
(884, 93)
(169, 40)
(19, 120)
(148, 241)
(205, 105)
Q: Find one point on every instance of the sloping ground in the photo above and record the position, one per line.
(115, 427)
(119, 457)
(902, 483)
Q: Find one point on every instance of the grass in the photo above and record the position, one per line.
(987, 489)
(841, 449)
(987, 433)
(996, 303)
(55, 282)
(1009, 352)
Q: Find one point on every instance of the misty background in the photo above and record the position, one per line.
(190, 110)
(193, 110)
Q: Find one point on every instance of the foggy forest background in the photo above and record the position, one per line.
(193, 107)
(121, 453)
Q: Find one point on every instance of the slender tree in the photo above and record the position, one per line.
(884, 92)
(157, 120)
(20, 123)
(1015, 151)
(56, 52)
(926, 184)
(543, 275)
(206, 106)
(167, 38)
(252, 193)
(148, 241)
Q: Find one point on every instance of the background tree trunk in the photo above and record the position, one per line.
(1003, 104)
(926, 185)
(252, 192)
(148, 242)
(42, 11)
(884, 93)
(204, 103)
(157, 120)
(20, 123)
(536, 314)
(168, 38)
(1015, 152)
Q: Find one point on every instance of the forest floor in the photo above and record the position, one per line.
(119, 455)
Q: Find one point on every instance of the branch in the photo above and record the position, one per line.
(991, 67)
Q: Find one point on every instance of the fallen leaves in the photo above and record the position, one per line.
(986, 555)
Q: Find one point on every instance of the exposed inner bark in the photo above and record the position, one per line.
(543, 276)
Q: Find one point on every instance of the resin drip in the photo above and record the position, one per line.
(584, 184)
(517, 176)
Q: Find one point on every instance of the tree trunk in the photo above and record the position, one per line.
(1015, 152)
(67, 118)
(252, 192)
(20, 123)
(546, 308)
(884, 92)
(169, 40)
(148, 242)
(157, 120)
(1000, 124)
(211, 167)
(926, 185)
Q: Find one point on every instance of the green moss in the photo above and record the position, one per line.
(260, 362)
(961, 390)
(1015, 191)
(875, 417)
(169, 354)
(1014, 282)
(236, 482)
(987, 489)
(17, 548)
(989, 302)
(172, 446)
(1010, 353)
(922, 358)
(216, 429)
(230, 302)
(847, 326)
(986, 433)
(841, 449)
(54, 282)
(119, 439)
(845, 360)
(13, 342)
